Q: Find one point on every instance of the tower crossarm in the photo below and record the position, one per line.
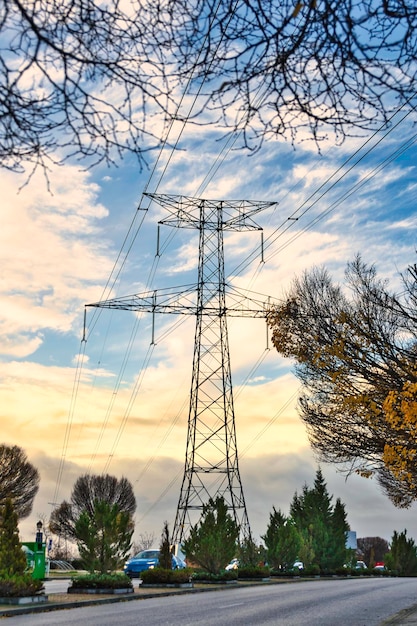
(185, 212)
(183, 301)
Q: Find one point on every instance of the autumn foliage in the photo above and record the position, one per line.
(354, 349)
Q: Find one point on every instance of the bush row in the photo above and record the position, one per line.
(19, 586)
(101, 581)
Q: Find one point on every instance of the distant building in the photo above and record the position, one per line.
(351, 541)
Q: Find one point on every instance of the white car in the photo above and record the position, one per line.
(234, 564)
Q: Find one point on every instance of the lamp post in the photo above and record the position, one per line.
(39, 535)
(39, 554)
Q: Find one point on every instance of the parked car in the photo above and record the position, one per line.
(148, 559)
(361, 565)
(234, 564)
(380, 566)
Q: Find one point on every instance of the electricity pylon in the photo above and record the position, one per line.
(211, 460)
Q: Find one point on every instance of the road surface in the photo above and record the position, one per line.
(334, 602)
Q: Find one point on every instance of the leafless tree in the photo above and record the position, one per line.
(19, 479)
(373, 549)
(144, 542)
(84, 79)
(87, 491)
(77, 79)
(279, 66)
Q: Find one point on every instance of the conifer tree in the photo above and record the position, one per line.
(165, 556)
(322, 527)
(340, 529)
(403, 554)
(12, 557)
(212, 542)
(282, 541)
(104, 537)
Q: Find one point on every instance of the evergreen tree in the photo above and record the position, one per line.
(403, 554)
(99, 519)
(165, 556)
(282, 541)
(250, 554)
(322, 527)
(104, 536)
(12, 557)
(340, 529)
(212, 542)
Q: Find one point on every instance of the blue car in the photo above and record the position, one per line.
(148, 559)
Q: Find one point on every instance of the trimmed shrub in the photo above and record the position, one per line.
(101, 581)
(162, 576)
(312, 570)
(20, 586)
(253, 572)
(287, 573)
(221, 577)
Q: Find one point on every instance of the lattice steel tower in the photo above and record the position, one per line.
(211, 461)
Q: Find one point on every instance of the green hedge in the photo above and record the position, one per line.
(101, 581)
(161, 576)
(253, 572)
(20, 586)
(223, 576)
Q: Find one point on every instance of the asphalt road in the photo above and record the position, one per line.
(347, 602)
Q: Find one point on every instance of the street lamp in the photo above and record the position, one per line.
(39, 535)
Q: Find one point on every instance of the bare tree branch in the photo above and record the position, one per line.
(87, 80)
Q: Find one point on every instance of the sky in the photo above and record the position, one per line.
(113, 403)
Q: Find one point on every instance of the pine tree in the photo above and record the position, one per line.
(212, 542)
(340, 528)
(322, 527)
(104, 537)
(165, 556)
(403, 554)
(12, 557)
(282, 541)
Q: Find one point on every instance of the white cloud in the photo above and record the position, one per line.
(52, 255)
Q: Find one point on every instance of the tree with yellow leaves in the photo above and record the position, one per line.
(355, 352)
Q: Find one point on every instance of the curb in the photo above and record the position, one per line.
(406, 616)
(74, 604)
